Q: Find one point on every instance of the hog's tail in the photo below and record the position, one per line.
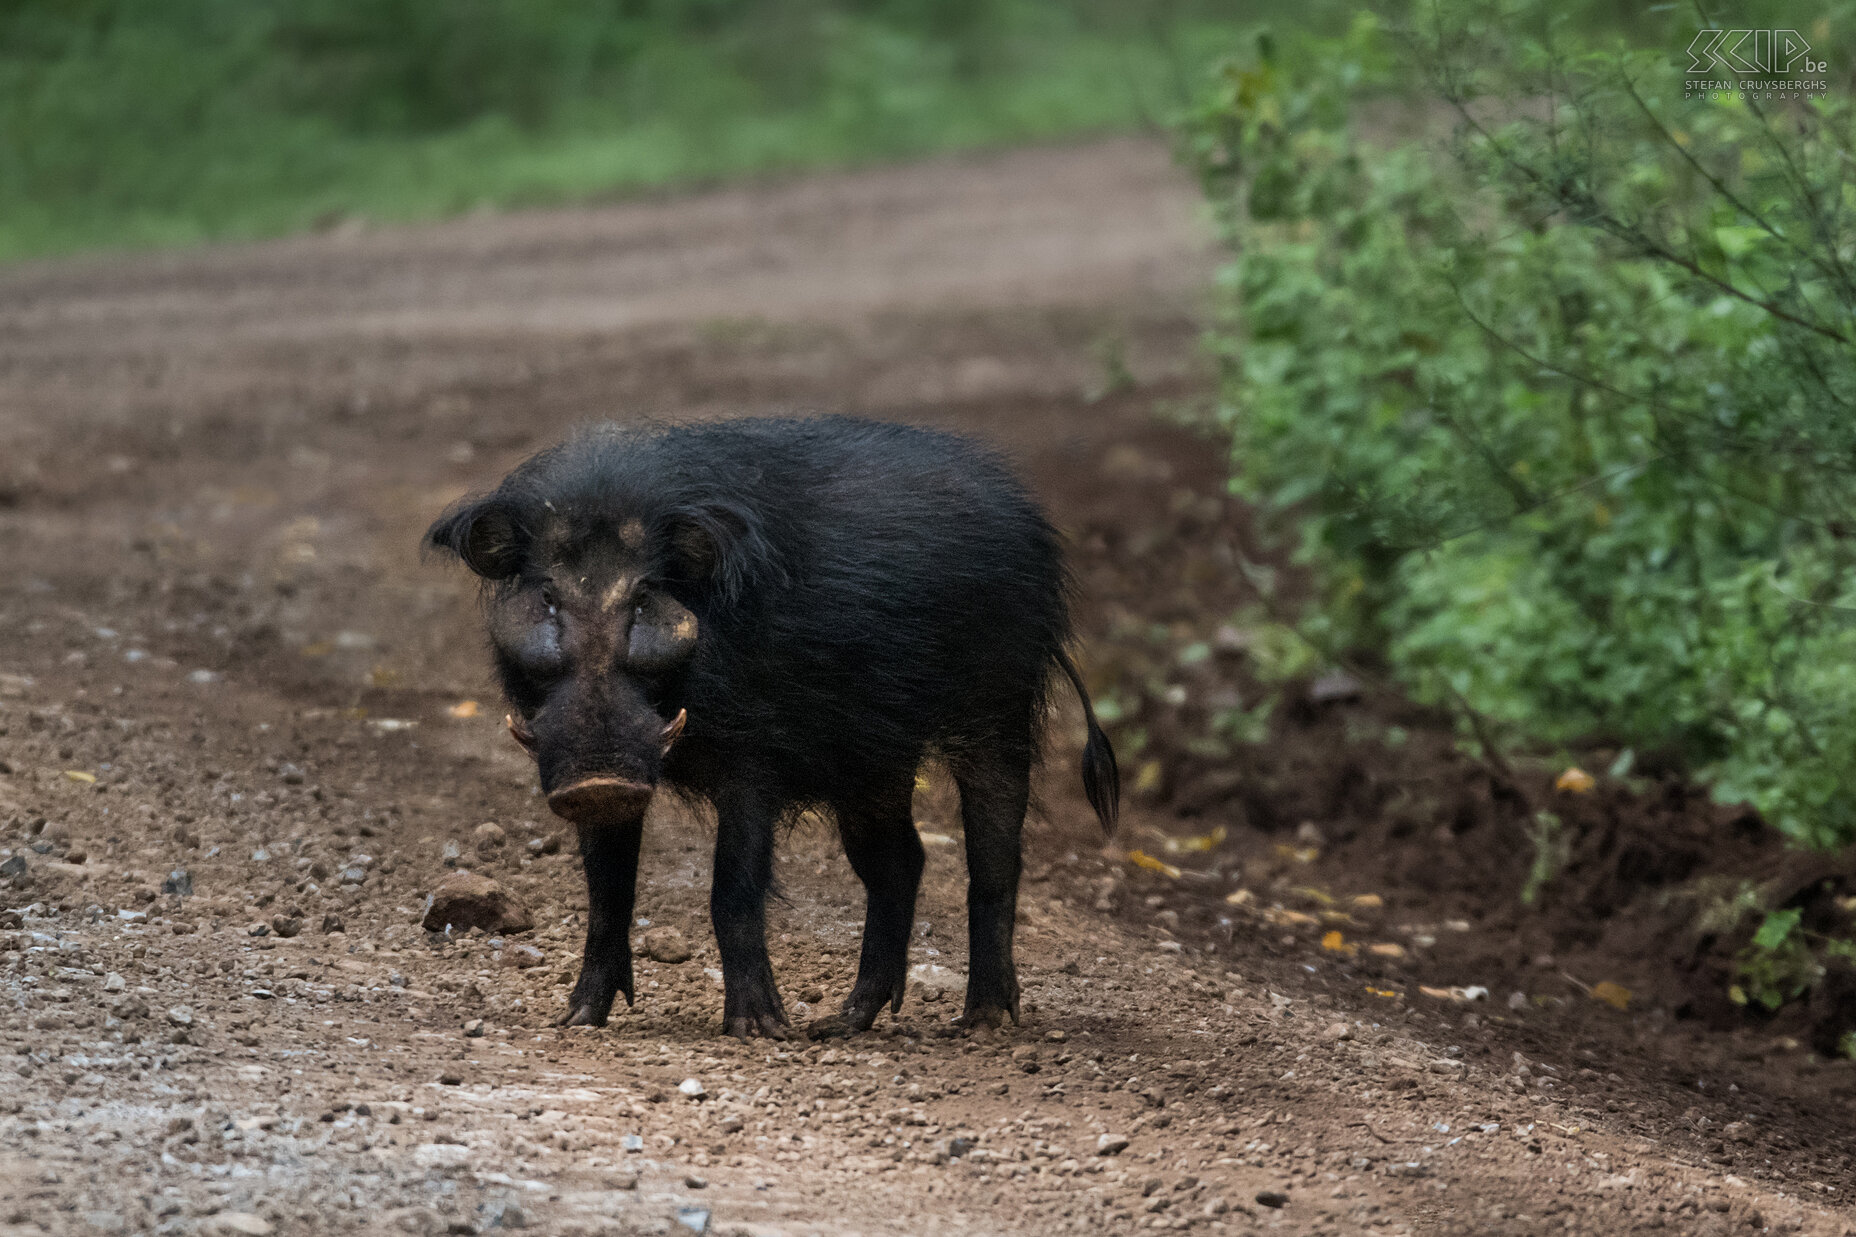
(1101, 776)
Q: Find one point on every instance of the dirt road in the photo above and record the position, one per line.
(244, 732)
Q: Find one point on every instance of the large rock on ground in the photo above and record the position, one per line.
(465, 900)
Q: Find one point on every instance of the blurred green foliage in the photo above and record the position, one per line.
(127, 122)
(1551, 371)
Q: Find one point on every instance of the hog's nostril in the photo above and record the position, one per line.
(601, 801)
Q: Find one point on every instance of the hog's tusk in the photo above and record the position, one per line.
(524, 737)
(672, 730)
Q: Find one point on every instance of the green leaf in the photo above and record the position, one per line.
(1777, 927)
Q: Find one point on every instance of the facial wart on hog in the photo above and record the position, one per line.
(768, 616)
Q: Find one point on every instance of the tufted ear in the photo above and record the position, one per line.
(484, 532)
(721, 546)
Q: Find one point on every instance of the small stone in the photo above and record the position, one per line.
(450, 1078)
(696, 1219)
(521, 957)
(631, 1143)
(465, 900)
(1332, 686)
(179, 883)
(113, 982)
(1444, 1065)
(488, 837)
(1339, 1031)
(1272, 1198)
(732, 1125)
(507, 1215)
(696, 1183)
(14, 867)
(692, 1088)
(181, 1016)
(420, 1220)
(665, 945)
(474, 1028)
(353, 874)
(241, 1222)
(258, 929)
(331, 924)
(286, 925)
(12, 919)
(1517, 1001)
(1111, 1144)
(1737, 1131)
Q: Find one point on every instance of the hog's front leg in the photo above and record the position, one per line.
(738, 906)
(610, 854)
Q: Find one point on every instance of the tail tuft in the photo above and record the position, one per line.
(1101, 775)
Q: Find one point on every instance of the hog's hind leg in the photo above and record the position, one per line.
(995, 786)
(738, 907)
(611, 859)
(886, 853)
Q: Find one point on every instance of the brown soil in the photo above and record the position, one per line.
(222, 655)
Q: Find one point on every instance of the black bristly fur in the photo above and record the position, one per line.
(866, 594)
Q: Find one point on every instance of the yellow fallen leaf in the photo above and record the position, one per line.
(1313, 894)
(1147, 779)
(1289, 919)
(1239, 897)
(464, 708)
(1301, 854)
(1141, 859)
(1575, 780)
(1203, 841)
(1337, 917)
(1386, 949)
(1381, 992)
(1368, 902)
(78, 775)
(1335, 942)
(1615, 995)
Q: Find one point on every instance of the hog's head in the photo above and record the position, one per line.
(589, 610)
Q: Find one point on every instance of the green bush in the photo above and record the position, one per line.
(133, 122)
(1558, 391)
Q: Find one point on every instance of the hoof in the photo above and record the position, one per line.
(766, 1026)
(838, 1026)
(583, 1016)
(993, 1016)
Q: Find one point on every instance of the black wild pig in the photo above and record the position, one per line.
(771, 615)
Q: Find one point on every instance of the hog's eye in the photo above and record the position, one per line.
(549, 600)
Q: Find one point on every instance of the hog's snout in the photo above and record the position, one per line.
(601, 801)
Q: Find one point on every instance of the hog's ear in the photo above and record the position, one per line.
(483, 532)
(722, 546)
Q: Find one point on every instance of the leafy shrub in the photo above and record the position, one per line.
(1562, 406)
(156, 121)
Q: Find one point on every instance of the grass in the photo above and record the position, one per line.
(139, 123)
